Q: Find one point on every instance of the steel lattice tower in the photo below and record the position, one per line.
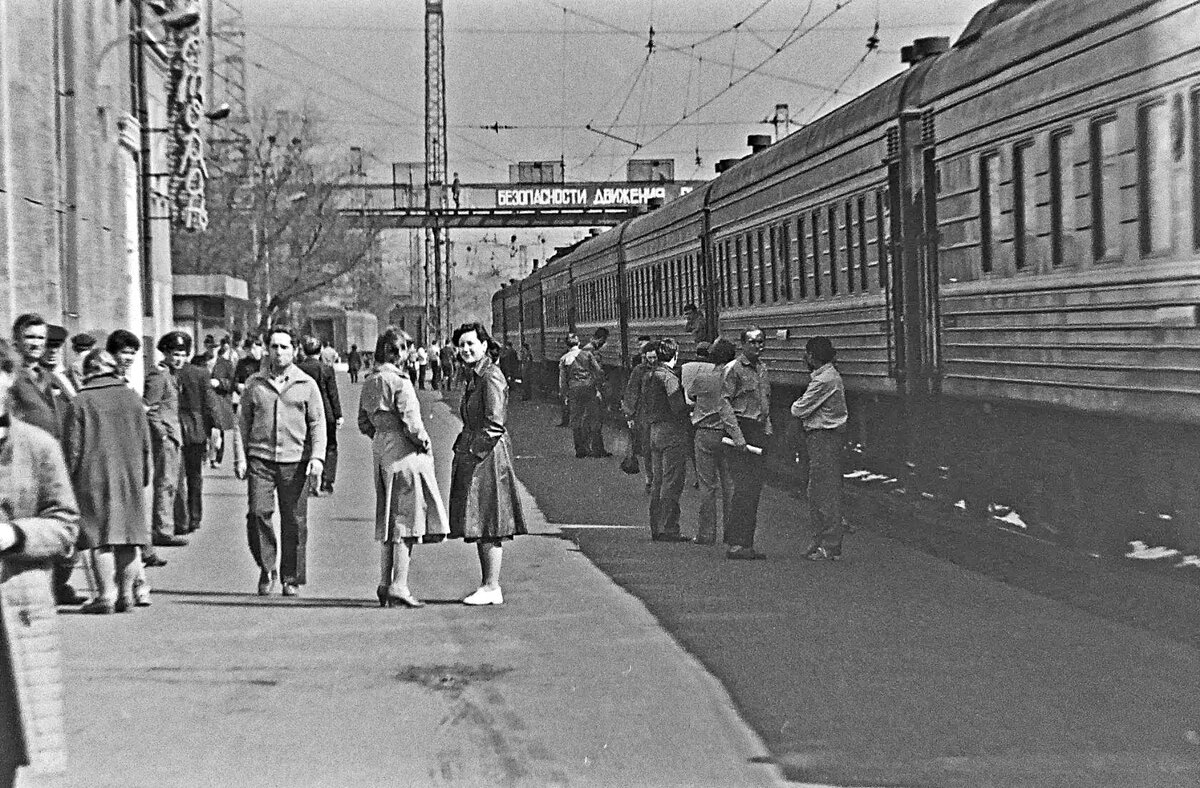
(436, 247)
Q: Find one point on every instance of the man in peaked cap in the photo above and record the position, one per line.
(166, 436)
(80, 345)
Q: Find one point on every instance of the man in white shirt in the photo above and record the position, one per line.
(822, 413)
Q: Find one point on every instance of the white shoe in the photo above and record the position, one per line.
(485, 596)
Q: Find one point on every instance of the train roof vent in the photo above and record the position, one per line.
(893, 142)
(594, 231)
(758, 142)
(922, 48)
(654, 203)
(725, 164)
(991, 15)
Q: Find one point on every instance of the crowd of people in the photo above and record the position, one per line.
(91, 468)
(714, 413)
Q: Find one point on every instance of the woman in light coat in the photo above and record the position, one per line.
(484, 504)
(37, 524)
(408, 505)
(108, 458)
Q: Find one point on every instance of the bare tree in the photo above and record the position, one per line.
(274, 219)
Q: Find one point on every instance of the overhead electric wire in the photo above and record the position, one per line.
(793, 37)
(368, 90)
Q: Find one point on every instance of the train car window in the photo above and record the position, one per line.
(737, 267)
(729, 283)
(1196, 168)
(785, 254)
(991, 218)
(1062, 198)
(762, 268)
(719, 259)
(850, 259)
(816, 253)
(881, 236)
(801, 264)
(690, 280)
(749, 240)
(1155, 213)
(863, 260)
(1106, 190)
(1024, 205)
(832, 242)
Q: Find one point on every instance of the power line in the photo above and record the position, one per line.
(543, 31)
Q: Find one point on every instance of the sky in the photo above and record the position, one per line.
(550, 68)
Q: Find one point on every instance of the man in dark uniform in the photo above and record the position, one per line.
(197, 415)
(326, 379)
(631, 406)
(161, 396)
(585, 389)
(666, 411)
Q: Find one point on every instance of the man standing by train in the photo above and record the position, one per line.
(585, 389)
(749, 394)
(822, 413)
(666, 411)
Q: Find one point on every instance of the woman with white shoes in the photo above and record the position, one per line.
(484, 504)
(408, 505)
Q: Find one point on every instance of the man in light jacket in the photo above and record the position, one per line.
(282, 423)
(822, 413)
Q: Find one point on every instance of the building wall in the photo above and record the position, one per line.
(69, 151)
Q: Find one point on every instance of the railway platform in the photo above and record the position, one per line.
(570, 682)
(935, 654)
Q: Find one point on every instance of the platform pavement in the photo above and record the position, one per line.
(571, 682)
(895, 666)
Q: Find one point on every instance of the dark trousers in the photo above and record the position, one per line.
(668, 462)
(746, 469)
(564, 409)
(266, 480)
(825, 486)
(167, 466)
(189, 500)
(329, 474)
(435, 370)
(353, 375)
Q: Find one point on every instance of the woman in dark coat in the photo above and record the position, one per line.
(108, 458)
(484, 504)
(224, 387)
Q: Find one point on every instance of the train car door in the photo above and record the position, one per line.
(912, 193)
(708, 272)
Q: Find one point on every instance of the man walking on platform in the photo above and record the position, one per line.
(283, 430)
(564, 374)
(822, 413)
(631, 406)
(326, 380)
(749, 395)
(666, 411)
(161, 396)
(447, 355)
(585, 389)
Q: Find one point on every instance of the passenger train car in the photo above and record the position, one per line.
(1003, 243)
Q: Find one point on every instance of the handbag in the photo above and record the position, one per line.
(629, 463)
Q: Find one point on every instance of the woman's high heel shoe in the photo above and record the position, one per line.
(389, 599)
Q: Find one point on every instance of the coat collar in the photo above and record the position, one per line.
(103, 382)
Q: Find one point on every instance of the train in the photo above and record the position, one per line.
(1003, 243)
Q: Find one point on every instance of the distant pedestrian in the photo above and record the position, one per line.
(822, 413)
(585, 389)
(435, 367)
(283, 431)
(224, 385)
(55, 365)
(329, 355)
(38, 525)
(564, 366)
(712, 422)
(694, 323)
(34, 397)
(510, 365)
(408, 505)
(665, 410)
(109, 460)
(485, 506)
(422, 365)
(331, 401)
(449, 364)
(198, 416)
(525, 357)
(411, 365)
(124, 347)
(749, 394)
(80, 345)
(250, 362)
(354, 363)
